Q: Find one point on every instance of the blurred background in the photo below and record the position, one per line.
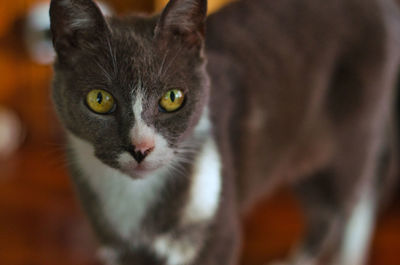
(40, 220)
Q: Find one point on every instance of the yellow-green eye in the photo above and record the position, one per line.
(100, 101)
(172, 100)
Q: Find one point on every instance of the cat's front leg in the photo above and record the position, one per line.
(220, 249)
(223, 241)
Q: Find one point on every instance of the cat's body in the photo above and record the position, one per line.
(299, 92)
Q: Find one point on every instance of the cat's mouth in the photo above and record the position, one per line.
(136, 170)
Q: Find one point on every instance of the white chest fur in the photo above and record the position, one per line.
(124, 200)
(206, 185)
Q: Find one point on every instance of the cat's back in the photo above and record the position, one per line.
(282, 57)
(308, 23)
(276, 39)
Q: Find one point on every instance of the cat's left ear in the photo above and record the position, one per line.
(76, 25)
(184, 20)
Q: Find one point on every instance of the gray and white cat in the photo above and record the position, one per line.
(173, 132)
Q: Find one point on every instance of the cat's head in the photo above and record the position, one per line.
(134, 88)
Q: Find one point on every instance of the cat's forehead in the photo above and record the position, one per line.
(139, 59)
(133, 46)
(133, 33)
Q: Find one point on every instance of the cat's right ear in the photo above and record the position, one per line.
(76, 25)
(183, 20)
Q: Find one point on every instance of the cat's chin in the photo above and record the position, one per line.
(139, 172)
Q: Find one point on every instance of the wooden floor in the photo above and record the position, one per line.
(41, 223)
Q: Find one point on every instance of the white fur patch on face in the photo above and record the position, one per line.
(125, 201)
(206, 185)
(177, 251)
(358, 231)
(141, 132)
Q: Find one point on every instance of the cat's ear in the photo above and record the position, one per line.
(185, 20)
(76, 24)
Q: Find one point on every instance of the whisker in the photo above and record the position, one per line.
(105, 72)
(113, 56)
(160, 71)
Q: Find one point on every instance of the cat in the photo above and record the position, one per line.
(176, 123)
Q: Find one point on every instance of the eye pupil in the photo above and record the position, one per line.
(99, 98)
(171, 101)
(172, 96)
(100, 101)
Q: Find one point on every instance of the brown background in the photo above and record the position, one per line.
(40, 220)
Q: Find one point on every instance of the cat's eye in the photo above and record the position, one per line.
(100, 101)
(172, 100)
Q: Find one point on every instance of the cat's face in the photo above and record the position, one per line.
(134, 88)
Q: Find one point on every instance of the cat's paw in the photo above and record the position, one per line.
(107, 256)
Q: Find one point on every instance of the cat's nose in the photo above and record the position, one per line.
(141, 150)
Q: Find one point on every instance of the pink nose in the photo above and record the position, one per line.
(143, 146)
(142, 149)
